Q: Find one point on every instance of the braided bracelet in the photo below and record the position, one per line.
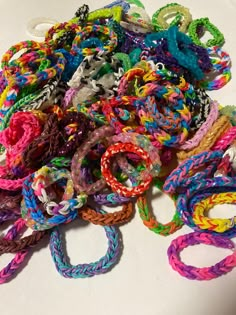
(12, 246)
(217, 224)
(218, 128)
(103, 265)
(113, 182)
(180, 176)
(207, 273)
(203, 130)
(35, 217)
(109, 46)
(183, 17)
(149, 221)
(9, 215)
(45, 177)
(95, 137)
(221, 70)
(8, 272)
(218, 37)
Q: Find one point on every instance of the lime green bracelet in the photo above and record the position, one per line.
(218, 37)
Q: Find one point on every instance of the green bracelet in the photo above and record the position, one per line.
(182, 19)
(218, 37)
(148, 219)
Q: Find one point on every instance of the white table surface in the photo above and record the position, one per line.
(142, 282)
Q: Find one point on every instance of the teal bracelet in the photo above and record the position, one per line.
(218, 37)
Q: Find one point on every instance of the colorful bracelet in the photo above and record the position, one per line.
(218, 37)
(207, 273)
(103, 265)
(149, 220)
(221, 125)
(217, 224)
(94, 138)
(113, 182)
(33, 214)
(15, 246)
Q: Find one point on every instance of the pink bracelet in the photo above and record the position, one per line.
(207, 273)
(95, 137)
(213, 115)
(225, 140)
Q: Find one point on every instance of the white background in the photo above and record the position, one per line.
(142, 282)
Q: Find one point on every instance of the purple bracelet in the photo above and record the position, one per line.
(207, 273)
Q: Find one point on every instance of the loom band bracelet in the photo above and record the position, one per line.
(8, 215)
(220, 126)
(149, 220)
(125, 60)
(109, 200)
(21, 46)
(33, 24)
(186, 58)
(17, 262)
(124, 4)
(113, 182)
(57, 30)
(225, 139)
(182, 18)
(204, 128)
(213, 224)
(44, 178)
(108, 46)
(108, 219)
(230, 111)
(206, 273)
(101, 266)
(34, 216)
(14, 246)
(218, 37)
(186, 169)
(138, 18)
(95, 137)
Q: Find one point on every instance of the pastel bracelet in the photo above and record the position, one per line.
(207, 273)
(103, 265)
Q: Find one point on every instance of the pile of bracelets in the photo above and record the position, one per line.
(104, 108)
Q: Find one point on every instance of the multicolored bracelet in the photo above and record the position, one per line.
(103, 265)
(207, 273)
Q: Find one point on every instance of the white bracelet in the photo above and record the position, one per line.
(32, 25)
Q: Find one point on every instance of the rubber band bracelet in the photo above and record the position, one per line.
(207, 273)
(34, 216)
(45, 177)
(103, 265)
(183, 17)
(218, 37)
(214, 224)
(221, 125)
(9, 215)
(9, 271)
(113, 182)
(94, 138)
(117, 217)
(109, 46)
(181, 175)
(14, 246)
(149, 221)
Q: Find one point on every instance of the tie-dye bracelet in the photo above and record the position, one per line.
(149, 221)
(182, 176)
(207, 273)
(33, 212)
(103, 265)
(113, 182)
(117, 217)
(94, 138)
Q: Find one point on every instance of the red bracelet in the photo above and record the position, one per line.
(113, 182)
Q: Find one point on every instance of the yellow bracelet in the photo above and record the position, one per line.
(218, 225)
(4, 95)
